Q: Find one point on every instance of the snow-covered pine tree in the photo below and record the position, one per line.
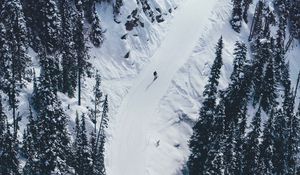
(251, 147)
(81, 149)
(50, 25)
(236, 95)
(96, 33)
(16, 35)
(68, 56)
(279, 60)
(94, 115)
(229, 158)
(269, 19)
(29, 145)
(239, 140)
(280, 141)
(81, 50)
(53, 142)
(28, 135)
(31, 10)
(240, 53)
(9, 156)
(215, 161)
(246, 4)
(17, 62)
(235, 101)
(293, 129)
(257, 24)
(268, 93)
(267, 146)
(76, 143)
(95, 111)
(200, 141)
(50, 68)
(261, 54)
(4, 56)
(237, 13)
(293, 143)
(99, 166)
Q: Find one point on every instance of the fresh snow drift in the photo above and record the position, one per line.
(132, 142)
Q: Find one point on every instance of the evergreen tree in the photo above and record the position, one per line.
(268, 97)
(16, 64)
(269, 19)
(76, 143)
(279, 61)
(4, 56)
(280, 134)
(236, 19)
(9, 158)
(286, 82)
(50, 69)
(83, 157)
(30, 145)
(50, 24)
(239, 140)
(229, 158)
(32, 16)
(267, 146)
(251, 147)
(235, 101)
(95, 112)
(53, 141)
(69, 61)
(215, 163)
(200, 140)
(96, 34)
(261, 55)
(81, 50)
(236, 95)
(246, 5)
(240, 53)
(98, 166)
(258, 21)
(93, 149)
(292, 145)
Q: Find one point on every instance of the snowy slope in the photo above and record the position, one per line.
(132, 150)
(143, 111)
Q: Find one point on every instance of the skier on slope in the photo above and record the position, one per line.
(155, 75)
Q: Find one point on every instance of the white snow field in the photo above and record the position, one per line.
(133, 142)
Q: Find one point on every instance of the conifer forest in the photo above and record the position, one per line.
(149, 87)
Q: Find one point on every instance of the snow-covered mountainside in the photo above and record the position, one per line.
(150, 120)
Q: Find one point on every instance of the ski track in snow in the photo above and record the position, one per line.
(132, 135)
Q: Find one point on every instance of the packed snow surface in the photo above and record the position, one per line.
(133, 140)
